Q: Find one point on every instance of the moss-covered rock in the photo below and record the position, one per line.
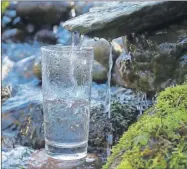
(122, 116)
(159, 139)
(158, 59)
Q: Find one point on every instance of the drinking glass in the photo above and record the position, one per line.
(66, 88)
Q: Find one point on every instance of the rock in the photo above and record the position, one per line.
(5, 93)
(54, 12)
(5, 21)
(99, 73)
(155, 61)
(14, 35)
(37, 68)
(117, 79)
(116, 49)
(25, 157)
(9, 141)
(20, 73)
(12, 5)
(121, 18)
(46, 36)
(7, 66)
(182, 74)
(125, 108)
(122, 116)
(30, 28)
(102, 52)
(39, 160)
(18, 23)
(22, 117)
(17, 158)
(162, 128)
(10, 13)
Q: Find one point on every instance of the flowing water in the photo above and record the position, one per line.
(143, 102)
(81, 40)
(71, 60)
(108, 103)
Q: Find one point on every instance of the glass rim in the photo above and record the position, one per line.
(60, 48)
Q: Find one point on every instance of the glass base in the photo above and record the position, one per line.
(66, 152)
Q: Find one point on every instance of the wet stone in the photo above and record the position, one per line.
(117, 19)
(5, 93)
(39, 160)
(16, 158)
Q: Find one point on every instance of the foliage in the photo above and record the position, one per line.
(159, 139)
(4, 5)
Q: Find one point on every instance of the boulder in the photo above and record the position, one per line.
(102, 52)
(156, 60)
(43, 13)
(99, 73)
(45, 36)
(13, 35)
(121, 18)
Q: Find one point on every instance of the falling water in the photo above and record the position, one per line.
(108, 103)
(73, 39)
(108, 98)
(142, 102)
(71, 61)
(77, 39)
(81, 40)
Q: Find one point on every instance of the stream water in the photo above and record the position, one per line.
(108, 103)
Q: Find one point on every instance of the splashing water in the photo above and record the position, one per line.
(108, 98)
(142, 102)
(71, 61)
(73, 39)
(81, 41)
(108, 103)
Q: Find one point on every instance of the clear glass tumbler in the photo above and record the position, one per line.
(66, 87)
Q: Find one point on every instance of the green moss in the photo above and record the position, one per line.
(4, 5)
(159, 139)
